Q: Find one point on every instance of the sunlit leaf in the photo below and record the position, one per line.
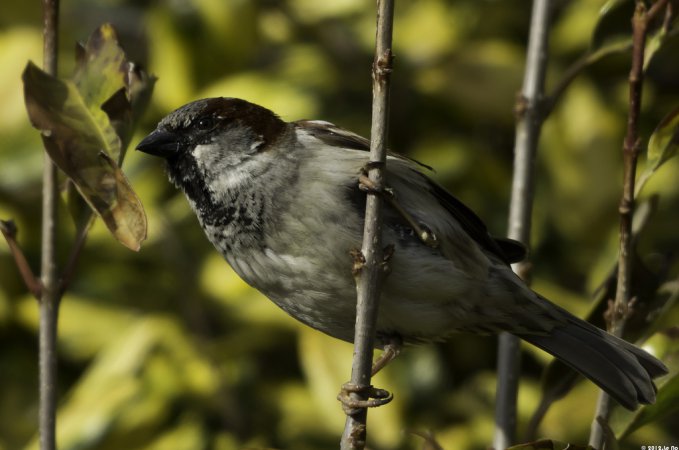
(81, 143)
(101, 69)
(124, 216)
(658, 37)
(112, 85)
(661, 147)
(667, 400)
(664, 140)
(667, 403)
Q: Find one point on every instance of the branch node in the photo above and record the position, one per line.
(520, 106)
(625, 207)
(637, 147)
(382, 67)
(8, 228)
(655, 9)
(358, 261)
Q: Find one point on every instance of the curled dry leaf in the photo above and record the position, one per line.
(86, 124)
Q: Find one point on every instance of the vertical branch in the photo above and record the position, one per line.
(619, 310)
(630, 153)
(371, 267)
(49, 300)
(530, 116)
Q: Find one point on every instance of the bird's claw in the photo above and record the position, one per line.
(376, 397)
(367, 185)
(427, 236)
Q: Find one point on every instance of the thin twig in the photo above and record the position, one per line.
(577, 67)
(371, 271)
(69, 268)
(592, 57)
(630, 152)
(49, 300)
(530, 116)
(9, 231)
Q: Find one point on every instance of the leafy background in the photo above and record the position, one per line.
(167, 348)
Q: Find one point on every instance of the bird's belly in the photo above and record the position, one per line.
(418, 302)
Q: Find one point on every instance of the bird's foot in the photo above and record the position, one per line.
(389, 352)
(367, 185)
(374, 397)
(422, 230)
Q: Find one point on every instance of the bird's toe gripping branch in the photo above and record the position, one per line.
(365, 184)
(375, 397)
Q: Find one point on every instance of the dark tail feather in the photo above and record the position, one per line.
(621, 369)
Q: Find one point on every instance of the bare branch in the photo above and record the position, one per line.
(577, 67)
(530, 116)
(9, 231)
(630, 153)
(49, 300)
(69, 269)
(371, 272)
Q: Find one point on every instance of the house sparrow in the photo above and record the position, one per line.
(280, 201)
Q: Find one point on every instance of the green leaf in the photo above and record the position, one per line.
(613, 25)
(667, 401)
(99, 74)
(132, 385)
(653, 44)
(81, 141)
(653, 297)
(662, 146)
(658, 38)
(112, 85)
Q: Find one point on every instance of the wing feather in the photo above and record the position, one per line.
(507, 250)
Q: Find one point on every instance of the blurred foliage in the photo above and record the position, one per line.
(549, 445)
(169, 349)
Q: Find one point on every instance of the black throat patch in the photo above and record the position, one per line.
(184, 173)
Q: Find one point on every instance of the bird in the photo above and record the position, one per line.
(281, 202)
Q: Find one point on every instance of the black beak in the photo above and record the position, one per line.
(160, 143)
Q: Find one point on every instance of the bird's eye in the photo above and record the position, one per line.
(205, 123)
